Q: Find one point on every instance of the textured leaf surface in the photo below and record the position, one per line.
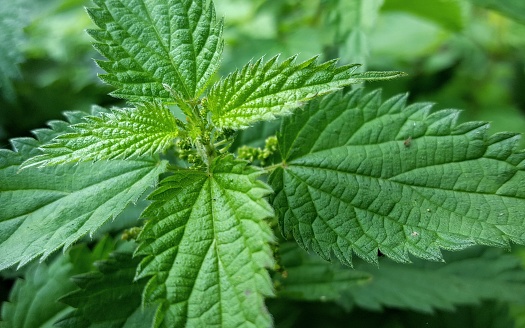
(360, 176)
(151, 43)
(468, 277)
(120, 134)
(308, 277)
(44, 209)
(109, 297)
(207, 246)
(33, 301)
(262, 91)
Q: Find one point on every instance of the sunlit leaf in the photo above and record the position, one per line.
(42, 210)
(207, 247)
(149, 44)
(262, 91)
(361, 175)
(122, 133)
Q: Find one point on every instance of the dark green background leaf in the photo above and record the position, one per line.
(307, 277)
(468, 277)
(109, 297)
(34, 299)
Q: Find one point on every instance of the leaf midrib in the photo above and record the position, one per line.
(217, 254)
(390, 179)
(159, 39)
(392, 219)
(232, 109)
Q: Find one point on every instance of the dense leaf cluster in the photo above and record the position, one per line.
(348, 174)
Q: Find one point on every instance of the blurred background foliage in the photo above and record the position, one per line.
(467, 54)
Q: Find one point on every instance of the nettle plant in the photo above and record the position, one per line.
(346, 174)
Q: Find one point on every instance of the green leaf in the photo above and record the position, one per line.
(263, 91)
(346, 16)
(207, 247)
(484, 315)
(518, 314)
(351, 23)
(108, 297)
(13, 19)
(42, 210)
(149, 44)
(121, 134)
(468, 277)
(33, 301)
(359, 176)
(310, 278)
(514, 9)
(449, 14)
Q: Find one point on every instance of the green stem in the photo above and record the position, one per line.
(271, 168)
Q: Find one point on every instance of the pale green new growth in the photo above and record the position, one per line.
(150, 44)
(123, 133)
(263, 91)
(360, 176)
(207, 247)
